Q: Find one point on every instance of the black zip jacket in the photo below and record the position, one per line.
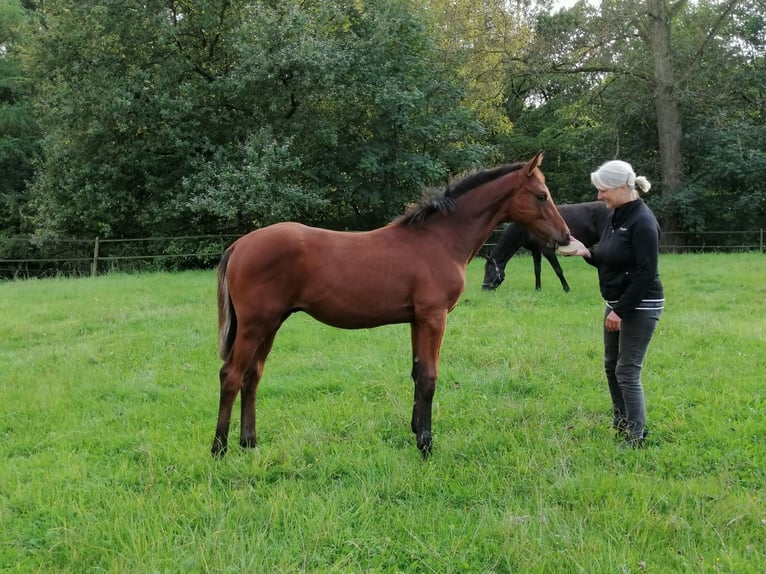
(626, 258)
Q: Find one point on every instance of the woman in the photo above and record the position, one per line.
(626, 258)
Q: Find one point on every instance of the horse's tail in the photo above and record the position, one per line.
(227, 318)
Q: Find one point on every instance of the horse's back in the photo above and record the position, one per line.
(265, 248)
(276, 236)
(293, 243)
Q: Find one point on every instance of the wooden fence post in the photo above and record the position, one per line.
(761, 239)
(94, 265)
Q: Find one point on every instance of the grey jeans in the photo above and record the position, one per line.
(624, 353)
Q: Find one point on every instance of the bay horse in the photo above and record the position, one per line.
(585, 221)
(410, 271)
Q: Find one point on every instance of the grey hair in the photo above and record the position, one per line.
(643, 184)
(615, 173)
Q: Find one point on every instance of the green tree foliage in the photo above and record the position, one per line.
(218, 116)
(520, 100)
(363, 114)
(176, 117)
(725, 118)
(18, 132)
(584, 92)
(595, 85)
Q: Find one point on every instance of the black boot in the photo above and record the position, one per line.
(620, 426)
(634, 441)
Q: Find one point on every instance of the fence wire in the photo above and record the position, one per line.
(25, 257)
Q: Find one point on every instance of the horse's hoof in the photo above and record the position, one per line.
(218, 452)
(425, 442)
(247, 442)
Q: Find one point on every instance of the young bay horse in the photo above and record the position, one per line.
(410, 271)
(585, 221)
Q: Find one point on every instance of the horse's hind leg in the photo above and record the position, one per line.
(252, 376)
(234, 373)
(231, 380)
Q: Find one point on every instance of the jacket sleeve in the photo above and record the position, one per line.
(593, 259)
(645, 244)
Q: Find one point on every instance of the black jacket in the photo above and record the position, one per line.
(626, 258)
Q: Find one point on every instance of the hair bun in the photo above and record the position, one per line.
(643, 184)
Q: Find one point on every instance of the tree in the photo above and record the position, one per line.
(18, 132)
(723, 106)
(170, 117)
(485, 40)
(365, 106)
(631, 48)
(217, 116)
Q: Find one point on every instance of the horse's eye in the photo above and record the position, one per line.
(542, 197)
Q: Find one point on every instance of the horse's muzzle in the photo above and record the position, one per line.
(555, 243)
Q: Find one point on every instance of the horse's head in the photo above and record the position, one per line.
(532, 205)
(493, 275)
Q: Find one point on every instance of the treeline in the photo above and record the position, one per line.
(121, 118)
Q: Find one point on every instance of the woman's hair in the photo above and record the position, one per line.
(616, 173)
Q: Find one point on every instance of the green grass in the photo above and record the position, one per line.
(109, 394)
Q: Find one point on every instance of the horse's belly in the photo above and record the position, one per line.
(356, 321)
(361, 311)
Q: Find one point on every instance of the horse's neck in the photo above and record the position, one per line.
(467, 229)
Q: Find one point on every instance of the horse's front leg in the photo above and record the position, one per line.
(414, 375)
(554, 261)
(427, 336)
(537, 259)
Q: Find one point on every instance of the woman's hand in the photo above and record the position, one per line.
(581, 250)
(612, 321)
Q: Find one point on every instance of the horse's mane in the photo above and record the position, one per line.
(443, 201)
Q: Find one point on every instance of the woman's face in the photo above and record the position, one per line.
(615, 196)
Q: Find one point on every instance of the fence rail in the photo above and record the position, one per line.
(711, 241)
(44, 256)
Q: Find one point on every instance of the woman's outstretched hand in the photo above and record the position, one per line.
(579, 248)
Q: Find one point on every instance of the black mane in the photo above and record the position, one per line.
(443, 202)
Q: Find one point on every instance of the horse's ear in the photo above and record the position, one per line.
(534, 163)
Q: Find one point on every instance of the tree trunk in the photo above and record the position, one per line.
(665, 100)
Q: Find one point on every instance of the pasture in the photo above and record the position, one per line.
(109, 390)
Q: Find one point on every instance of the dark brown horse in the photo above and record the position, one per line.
(411, 271)
(585, 222)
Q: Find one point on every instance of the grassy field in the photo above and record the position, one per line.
(109, 393)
